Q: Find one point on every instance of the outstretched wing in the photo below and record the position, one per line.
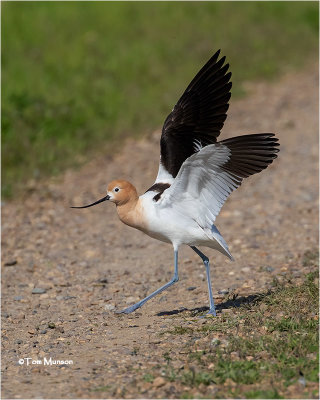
(207, 178)
(197, 118)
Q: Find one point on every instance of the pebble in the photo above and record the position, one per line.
(191, 288)
(38, 291)
(215, 342)
(17, 298)
(223, 291)
(109, 307)
(227, 310)
(130, 299)
(10, 263)
(18, 341)
(69, 297)
(245, 269)
(201, 276)
(43, 331)
(51, 325)
(302, 381)
(263, 307)
(159, 381)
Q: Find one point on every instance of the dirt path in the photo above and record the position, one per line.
(88, 264)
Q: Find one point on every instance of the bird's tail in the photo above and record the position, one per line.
(218, 242)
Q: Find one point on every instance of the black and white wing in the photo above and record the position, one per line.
(197, 118)
(207, 178)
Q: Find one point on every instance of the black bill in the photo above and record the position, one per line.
(96, 202)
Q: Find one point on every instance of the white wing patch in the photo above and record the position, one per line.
(163, 175)
(202, 185)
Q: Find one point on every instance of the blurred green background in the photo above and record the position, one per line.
(78, 75)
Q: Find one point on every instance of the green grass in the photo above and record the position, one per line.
(263, 394)
(77, 76)
(148, 377)
(270, 344)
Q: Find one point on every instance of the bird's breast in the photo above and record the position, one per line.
(133, 215)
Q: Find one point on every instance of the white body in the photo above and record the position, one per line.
(171, 225)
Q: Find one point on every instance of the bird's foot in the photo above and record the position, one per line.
(211, 312)
(129, 310)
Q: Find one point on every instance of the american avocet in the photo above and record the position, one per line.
(196, 173)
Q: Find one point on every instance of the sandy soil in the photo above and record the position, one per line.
(85, 264)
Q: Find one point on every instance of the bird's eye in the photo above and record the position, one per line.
(116, 189)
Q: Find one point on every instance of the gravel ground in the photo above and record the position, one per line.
(65, 271)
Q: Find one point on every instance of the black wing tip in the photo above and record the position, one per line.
(252, 136)
(216, 54)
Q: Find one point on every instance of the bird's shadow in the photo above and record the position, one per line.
(234, 302)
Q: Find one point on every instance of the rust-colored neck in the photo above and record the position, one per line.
(131, 213)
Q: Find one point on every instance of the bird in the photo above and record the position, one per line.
(196, 173)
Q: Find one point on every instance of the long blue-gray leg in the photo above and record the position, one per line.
(206, 263)
(161, 289)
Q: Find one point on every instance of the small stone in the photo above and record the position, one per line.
(51, 325)
(38, 291)
(18, 341)
(43, 331)
(245, 269)
(191, 288)
(17, 298)
(69, 297)
(302, 380)
(263, 307)
(159, 381)
(215, 342)
(227, 310)
(234, 355)
(103, 280)
(109, 307)
(130, 300)
(10, 263)
(223, 291)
